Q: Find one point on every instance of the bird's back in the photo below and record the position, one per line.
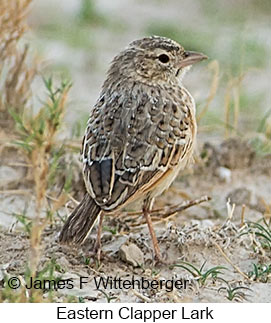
(135, 134)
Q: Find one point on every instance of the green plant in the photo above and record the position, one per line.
(261, 142)
(47, 276)
(113, 230)
(260, 272)
(88, 13)
(200, 275)
(39, 130)
(234, 293)
(108, 297)
(86, 260)
(25, 221)
(261, 145)
(36, 135)
(81, 299)
(49, 270)
(261, 231)
(263, 125)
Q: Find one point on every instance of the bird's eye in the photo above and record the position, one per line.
(163, 58)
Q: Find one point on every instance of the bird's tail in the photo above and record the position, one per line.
(80, 222)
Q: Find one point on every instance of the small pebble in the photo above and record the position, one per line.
(224, 174)
(131, 254)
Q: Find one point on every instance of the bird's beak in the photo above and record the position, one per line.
(191, 58)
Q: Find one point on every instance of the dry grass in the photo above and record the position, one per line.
(214, 68)
(232, 94)
(16, 70)
(35, 134)
(36, 138)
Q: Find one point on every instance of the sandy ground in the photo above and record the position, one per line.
(208, 232)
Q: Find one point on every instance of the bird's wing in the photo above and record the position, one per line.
(132, 138)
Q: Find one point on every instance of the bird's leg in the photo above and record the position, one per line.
(147, 204)
(98, 244)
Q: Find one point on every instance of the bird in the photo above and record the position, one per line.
(140, 134)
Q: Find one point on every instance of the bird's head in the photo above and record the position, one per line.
(154, 60)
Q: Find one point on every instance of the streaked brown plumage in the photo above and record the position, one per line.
(139, 135)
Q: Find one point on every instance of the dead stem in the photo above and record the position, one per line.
(232, 94)
(213, 66)
(164, 214)
(73, 199)
(19, 164)
(230, 262)
(230, 210)
(185, 205)
(142, 297)
(243, 215)
(16, 192)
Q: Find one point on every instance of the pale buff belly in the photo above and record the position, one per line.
(169, 177)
